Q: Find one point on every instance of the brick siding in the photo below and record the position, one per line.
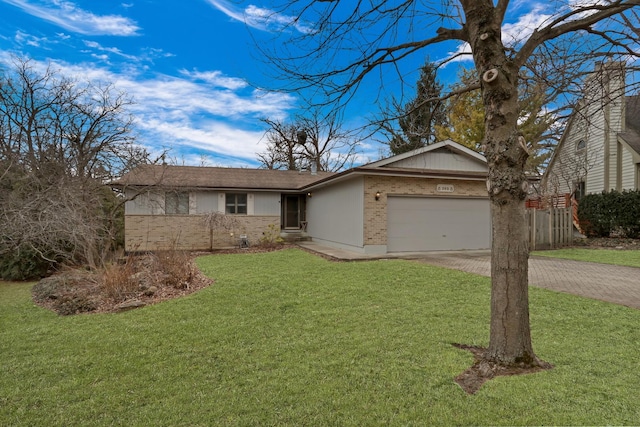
(189, 232)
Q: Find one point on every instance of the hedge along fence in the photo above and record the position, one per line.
(600, 215)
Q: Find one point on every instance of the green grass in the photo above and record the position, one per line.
(287, 338)
(629, 258)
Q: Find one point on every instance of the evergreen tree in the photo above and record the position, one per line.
(416, 119)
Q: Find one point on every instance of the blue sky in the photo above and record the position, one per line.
(192, 67)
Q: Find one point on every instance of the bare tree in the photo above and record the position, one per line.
(61, 141)
(538, 123)
(313, 140)
(346, 46)
(283, 146)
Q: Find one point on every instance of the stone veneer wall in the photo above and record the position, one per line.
(375, 211)
(189, 232)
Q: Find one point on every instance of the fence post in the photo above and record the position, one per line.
(532, 220)
(550, 228)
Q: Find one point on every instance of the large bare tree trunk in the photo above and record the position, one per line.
(506, 152)
(510, 338)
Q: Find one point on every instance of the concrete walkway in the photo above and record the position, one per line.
(616, 284)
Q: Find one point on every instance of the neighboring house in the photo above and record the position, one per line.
(433, 198)
(600, 148)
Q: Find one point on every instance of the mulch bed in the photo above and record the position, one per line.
(483, 370)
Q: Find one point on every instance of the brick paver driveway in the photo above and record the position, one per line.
(620, 285)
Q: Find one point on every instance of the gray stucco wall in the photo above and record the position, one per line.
(336, 216)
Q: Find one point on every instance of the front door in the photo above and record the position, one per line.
(292, 211)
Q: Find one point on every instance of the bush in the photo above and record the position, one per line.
(629, 213)
(23, 264)
(118, 281)
(177, 268)
(600, 215)
(67, 293)
(271, 237)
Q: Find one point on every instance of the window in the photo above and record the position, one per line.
(580, 190)
(176, 203)
(236, 203)
(581, 145)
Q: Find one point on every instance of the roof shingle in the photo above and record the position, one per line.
(216, 177)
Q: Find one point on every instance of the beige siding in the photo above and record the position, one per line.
(266, 203)
(628, 171)
(442, 159)
(597, 168)
(206, 201)
(145, 203)
(597, 122)
(605, 114)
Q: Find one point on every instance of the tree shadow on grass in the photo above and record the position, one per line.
(483, 370)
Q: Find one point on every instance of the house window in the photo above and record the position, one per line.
(236, 203)
(580, 190)
(176, 203)
(581, 145)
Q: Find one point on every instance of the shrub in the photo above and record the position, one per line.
(629, 213)
(609, 212)
(23, 264)
(176, 267)
(118, 281)
(271, 237)
(67, 293)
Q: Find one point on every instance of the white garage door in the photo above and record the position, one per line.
(437, 224)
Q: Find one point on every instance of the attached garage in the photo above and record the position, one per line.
(417, 224)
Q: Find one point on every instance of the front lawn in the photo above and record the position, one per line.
(288, 338)
(629, 258)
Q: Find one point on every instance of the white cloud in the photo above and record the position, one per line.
(517, 32)
(259, 18)
(512, 33)
(114, 50)
(215, 137)
(23, 38)
(67, 15)
(185, 115)
(216, 79)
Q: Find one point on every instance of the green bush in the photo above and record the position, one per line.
(610, 212)
(629, 213)
(23, 264)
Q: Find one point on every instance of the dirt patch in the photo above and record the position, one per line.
(483, 370)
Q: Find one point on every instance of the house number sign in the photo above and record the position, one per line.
(445, 188)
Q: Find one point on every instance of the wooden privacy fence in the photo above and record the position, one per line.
(550, 228)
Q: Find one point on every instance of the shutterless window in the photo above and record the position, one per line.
(581, 145)
(236, 203)
(176, 203)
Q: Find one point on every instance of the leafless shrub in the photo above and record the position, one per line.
(68, 293)
(119, 281)
(271, 237)
(176, 267)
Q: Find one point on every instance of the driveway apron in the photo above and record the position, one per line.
(616, 284)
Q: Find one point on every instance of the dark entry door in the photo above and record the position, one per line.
(292, 211)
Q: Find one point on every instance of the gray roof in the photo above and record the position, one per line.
(216, 177)
(631, 134)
